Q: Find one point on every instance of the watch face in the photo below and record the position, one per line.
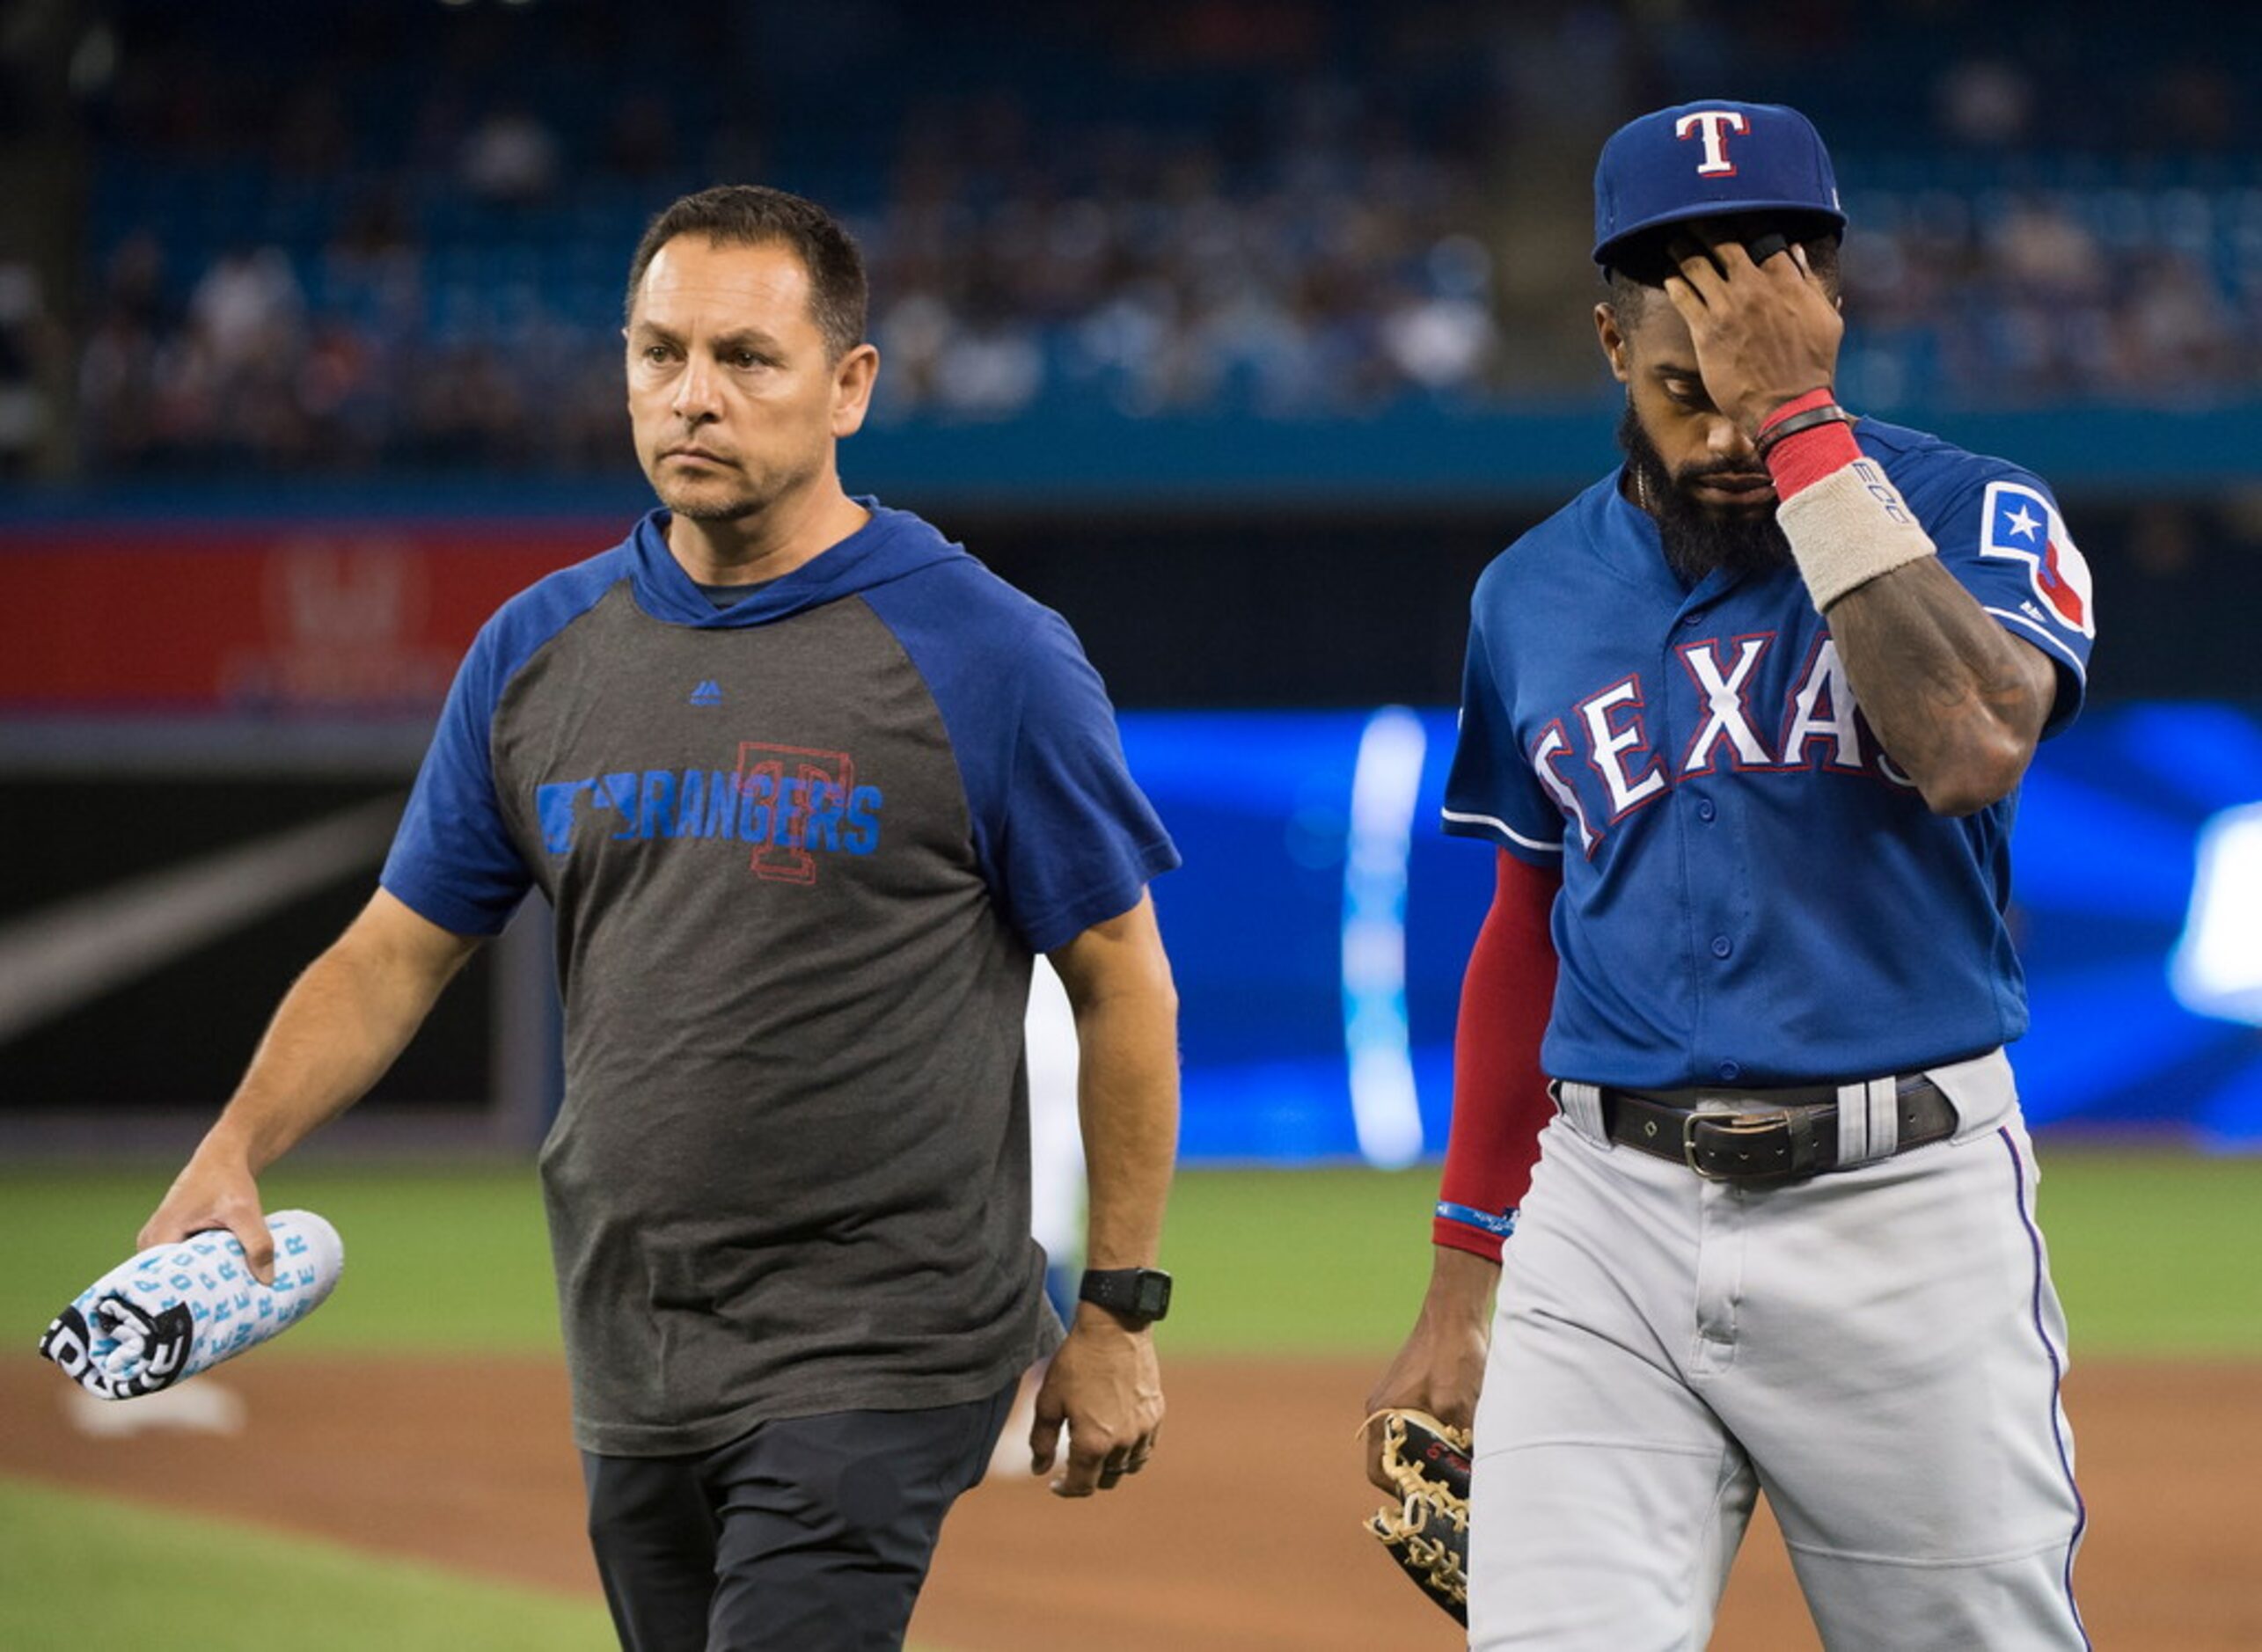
(1139, 1293)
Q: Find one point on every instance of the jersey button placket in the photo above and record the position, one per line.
(1718, 1333)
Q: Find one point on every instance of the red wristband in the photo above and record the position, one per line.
(1458, 1236)
(1806, 456)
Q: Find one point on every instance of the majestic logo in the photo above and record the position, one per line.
(2020, 522)
(1713, 126)
(790, 805)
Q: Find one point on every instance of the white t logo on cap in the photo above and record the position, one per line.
(1715, 125)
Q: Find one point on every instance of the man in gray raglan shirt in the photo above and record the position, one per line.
(808, 787)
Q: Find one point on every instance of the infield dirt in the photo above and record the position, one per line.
(1242, 1537)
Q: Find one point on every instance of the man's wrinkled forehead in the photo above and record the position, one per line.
(1656, 336)
(692, 276)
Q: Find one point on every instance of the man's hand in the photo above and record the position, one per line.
(214, 1189)
(1765, 333)
(1105, 1386)
(1440, 1370)
(336, 1031)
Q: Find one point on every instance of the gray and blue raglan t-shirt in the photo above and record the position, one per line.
(800, 851)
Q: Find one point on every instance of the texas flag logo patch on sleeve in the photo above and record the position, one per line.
(2021, 523)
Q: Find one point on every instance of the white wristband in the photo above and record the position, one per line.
(1848, 528)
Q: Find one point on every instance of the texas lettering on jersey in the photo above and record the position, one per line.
(792, 804)
(1816, 727)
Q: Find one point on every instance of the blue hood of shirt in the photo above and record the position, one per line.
(893, 543)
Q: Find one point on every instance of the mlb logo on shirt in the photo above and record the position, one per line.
(2021, 523)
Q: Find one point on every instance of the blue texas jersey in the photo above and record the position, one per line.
(1753, 893)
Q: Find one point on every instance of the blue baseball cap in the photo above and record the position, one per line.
(1706, 159)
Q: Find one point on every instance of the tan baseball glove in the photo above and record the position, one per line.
(1428, 1535)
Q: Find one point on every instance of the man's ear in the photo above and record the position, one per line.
(852, 377)
(1611, 337)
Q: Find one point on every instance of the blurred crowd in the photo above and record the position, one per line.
(1237, 222)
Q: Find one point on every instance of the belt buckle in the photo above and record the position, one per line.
(1734, 1123)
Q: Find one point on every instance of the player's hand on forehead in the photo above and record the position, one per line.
(1764, 331)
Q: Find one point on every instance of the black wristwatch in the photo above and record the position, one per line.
(1138, 1294)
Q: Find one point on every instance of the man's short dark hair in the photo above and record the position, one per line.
(754, 215)
(1639, 275)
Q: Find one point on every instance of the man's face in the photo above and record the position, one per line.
(1694, 470)
(733, 399)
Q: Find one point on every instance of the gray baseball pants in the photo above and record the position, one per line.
(1878, 1349)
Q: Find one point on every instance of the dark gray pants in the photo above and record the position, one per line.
(811, 1534)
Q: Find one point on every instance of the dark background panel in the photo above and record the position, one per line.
(1288, 608)
(178, 1036)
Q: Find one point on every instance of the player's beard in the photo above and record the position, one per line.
(1699, 538)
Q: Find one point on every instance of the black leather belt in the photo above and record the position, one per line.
(1800, 1140)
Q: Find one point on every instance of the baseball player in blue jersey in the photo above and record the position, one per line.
(1735, 1143)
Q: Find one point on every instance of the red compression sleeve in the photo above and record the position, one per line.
(1500, 1095)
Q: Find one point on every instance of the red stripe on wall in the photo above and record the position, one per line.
(281, 617)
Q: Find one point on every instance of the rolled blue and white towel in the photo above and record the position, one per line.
(176, 1310)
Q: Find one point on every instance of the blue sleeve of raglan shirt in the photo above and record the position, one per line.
(1491, 792)
(453, 861)
(1064, 838)
(1072, 839)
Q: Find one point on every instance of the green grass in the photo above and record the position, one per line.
(81, 1572)
(2151, 1252)
(1322, 1261)
(436, 1261)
